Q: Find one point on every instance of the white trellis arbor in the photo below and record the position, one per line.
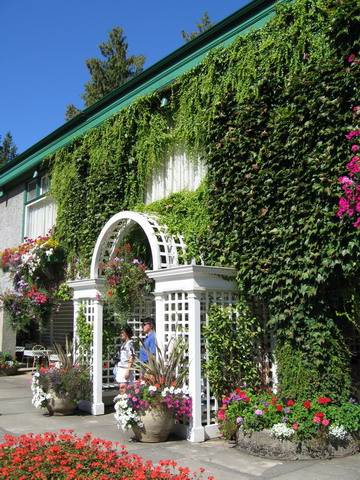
(182, 297)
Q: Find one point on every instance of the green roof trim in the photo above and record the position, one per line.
(160, 74)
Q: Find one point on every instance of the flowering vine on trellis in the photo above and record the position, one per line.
(350, 202)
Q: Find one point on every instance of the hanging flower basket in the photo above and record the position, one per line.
(125, 281)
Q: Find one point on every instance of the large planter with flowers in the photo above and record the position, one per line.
(152, 405)
(8, 364)
(157, 423)
(60, 388)
(287, 429)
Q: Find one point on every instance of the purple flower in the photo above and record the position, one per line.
(284, 419)
(352, 400)
(239, 420)
(258, 412)
(287, 410)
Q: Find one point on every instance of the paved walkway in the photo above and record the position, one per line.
(219, 458)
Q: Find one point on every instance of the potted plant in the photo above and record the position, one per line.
(125, 281)
(152, 404)
(8, 364)
(318, 427)
(59, 388)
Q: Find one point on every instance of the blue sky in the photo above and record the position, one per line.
(44, 45)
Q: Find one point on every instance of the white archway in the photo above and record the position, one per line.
(164, 248)
(183, 294)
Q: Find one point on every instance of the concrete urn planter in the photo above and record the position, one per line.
(263, 445)
(157, 422)
(63, 406)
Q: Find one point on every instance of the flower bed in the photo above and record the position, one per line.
(265, 425)
(66, 456)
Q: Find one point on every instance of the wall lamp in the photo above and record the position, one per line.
(35, 174)
(164, 102)
(1, 193)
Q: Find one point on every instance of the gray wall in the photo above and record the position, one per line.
(11, 218)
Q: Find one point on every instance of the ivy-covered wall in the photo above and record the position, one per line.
(269, 113)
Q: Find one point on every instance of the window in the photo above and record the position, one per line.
(40, 213)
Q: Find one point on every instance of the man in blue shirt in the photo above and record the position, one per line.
(149, 343)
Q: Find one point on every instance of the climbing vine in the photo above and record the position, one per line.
(269, 114)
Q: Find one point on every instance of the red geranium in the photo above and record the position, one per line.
(279, 408)
(290, 403)
(307, 404)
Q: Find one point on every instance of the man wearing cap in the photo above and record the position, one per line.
(149, 343)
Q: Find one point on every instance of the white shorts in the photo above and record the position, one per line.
(120, 375)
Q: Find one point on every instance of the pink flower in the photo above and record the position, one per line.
(325, 422)
(351, 58)
(295, 426)
(354, 148)
(316, 420)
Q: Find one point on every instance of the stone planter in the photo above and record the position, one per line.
(263, 445)
(158, 423)
(8, 371)
(62, 406)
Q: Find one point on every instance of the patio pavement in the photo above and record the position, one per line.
(219, 458)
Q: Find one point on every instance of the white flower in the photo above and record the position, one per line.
(281, 431)
(152, 388)
(337, 431)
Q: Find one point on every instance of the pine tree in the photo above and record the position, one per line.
(8, 149)
(109, 73)
(202, 26)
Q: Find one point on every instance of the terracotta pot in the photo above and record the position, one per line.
(60, 405)
(8, 371)
(158, 422)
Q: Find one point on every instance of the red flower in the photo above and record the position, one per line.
(279, 408)
(247, 399)
(290, 403)
(327, 400)
(320, 415)
(273, 403)
(307, 404)
(321, 400)
(273, 398)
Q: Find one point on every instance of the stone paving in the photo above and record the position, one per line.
(219, 458)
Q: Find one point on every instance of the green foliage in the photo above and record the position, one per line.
(307, 372)
(231, 335)
(84, 332)
(184, 213)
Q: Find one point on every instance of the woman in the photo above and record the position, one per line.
(125, 357)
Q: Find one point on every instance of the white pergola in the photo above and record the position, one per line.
(182, 296)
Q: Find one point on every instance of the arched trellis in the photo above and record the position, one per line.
(183, 294)
(165, 248)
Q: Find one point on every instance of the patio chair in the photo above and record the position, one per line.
(39, 352)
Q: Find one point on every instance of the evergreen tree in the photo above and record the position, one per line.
(8, 149)
(202, 26)
(109, 73)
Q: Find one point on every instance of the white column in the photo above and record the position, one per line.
(197, 431)
(159, 315)
(98, 404)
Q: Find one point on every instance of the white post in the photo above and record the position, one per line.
(159, 315)
(98, 404)
(197, 431)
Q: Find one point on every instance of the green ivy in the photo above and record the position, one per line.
(269, 113)
(231, 334)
